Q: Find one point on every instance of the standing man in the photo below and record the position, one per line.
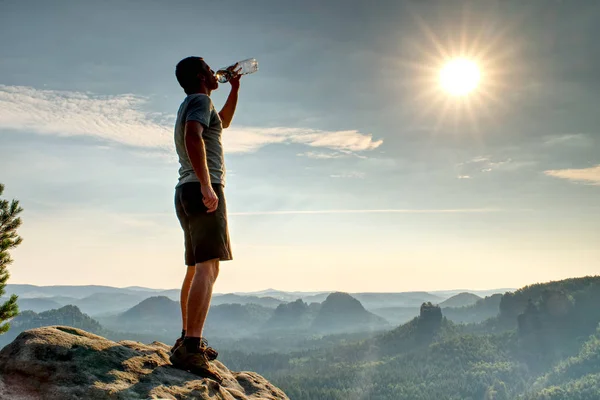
(200, 206)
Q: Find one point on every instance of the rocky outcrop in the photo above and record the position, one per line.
(60, 362)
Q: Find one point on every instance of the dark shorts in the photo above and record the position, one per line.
(206, 235)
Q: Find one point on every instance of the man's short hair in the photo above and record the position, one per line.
(187, 71)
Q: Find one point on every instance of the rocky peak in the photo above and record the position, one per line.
(60, 362)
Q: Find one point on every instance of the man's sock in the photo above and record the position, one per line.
(192, 344)
(183, 333)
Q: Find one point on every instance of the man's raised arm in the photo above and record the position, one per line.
(228, 110)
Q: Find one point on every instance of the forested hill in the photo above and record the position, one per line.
(67, 315)
(543, 345)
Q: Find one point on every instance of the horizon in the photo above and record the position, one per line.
(300, 291)
(355, 161)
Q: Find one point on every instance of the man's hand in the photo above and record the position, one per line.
(235, 76)
(209, 198)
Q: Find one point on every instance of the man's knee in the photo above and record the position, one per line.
(189, 274)
(208, 269)
(216, 269)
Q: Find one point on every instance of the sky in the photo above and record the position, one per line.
(349, 168)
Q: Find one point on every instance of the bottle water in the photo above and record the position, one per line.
(244, 67)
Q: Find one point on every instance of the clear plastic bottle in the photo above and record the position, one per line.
(245, 67)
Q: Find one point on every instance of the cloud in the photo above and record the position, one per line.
(349, 175)
(328, 155)
(487, 164)
(478, 159)
(572, 140)
(248, 139)
(509, 165)
(122, 119)
(382, 211)
(591, 175)
(151, 219)
(114, 118)
(157, 155)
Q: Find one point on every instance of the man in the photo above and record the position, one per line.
(200, 206)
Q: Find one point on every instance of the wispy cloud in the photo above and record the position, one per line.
(478, 159)
(591, 175)
(509, 165)
(169, 157)
(328, 155)
(114, 118)
(122, 119)
(572, 140)
(158, 218)
(247, 139)
(485, 164)
(382, 211)
(349, 175)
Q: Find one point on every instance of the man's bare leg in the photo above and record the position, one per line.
(185, 291)
(200, 293)
(189, 356)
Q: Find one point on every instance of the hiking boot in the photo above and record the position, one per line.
(211, 353)
(194, 362)
(178, 343)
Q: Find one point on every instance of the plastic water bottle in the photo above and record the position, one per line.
(244, 67)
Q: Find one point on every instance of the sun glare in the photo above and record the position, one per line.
(460, 77)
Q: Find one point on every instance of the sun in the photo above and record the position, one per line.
(460, 76)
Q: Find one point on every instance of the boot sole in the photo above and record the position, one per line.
(205, 374)
(202, 372)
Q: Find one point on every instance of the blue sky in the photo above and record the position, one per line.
(349, 168)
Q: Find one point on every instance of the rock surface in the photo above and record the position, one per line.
(60, 362)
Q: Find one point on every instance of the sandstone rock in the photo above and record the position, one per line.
(60, 362)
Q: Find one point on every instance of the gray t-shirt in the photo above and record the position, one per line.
(199, 107)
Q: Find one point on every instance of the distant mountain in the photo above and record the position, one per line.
(63, 300)
(231, 298)
(173, 294)
(101, 303)
(420, 331)
(157, 315)
(483, 309)
(285, 296)
(236, 320)
(315, 298)
(460, 300)
(369, 300)
(396, 315)
(543, 343)
(296, 315)
(446, 294)
(36, 305)
(161, 316)
(143, 289)
(314, 307)
(154, 311)
(31, 291)
(95, 304)
(67, 315)
(341, 312)
(404, 299)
